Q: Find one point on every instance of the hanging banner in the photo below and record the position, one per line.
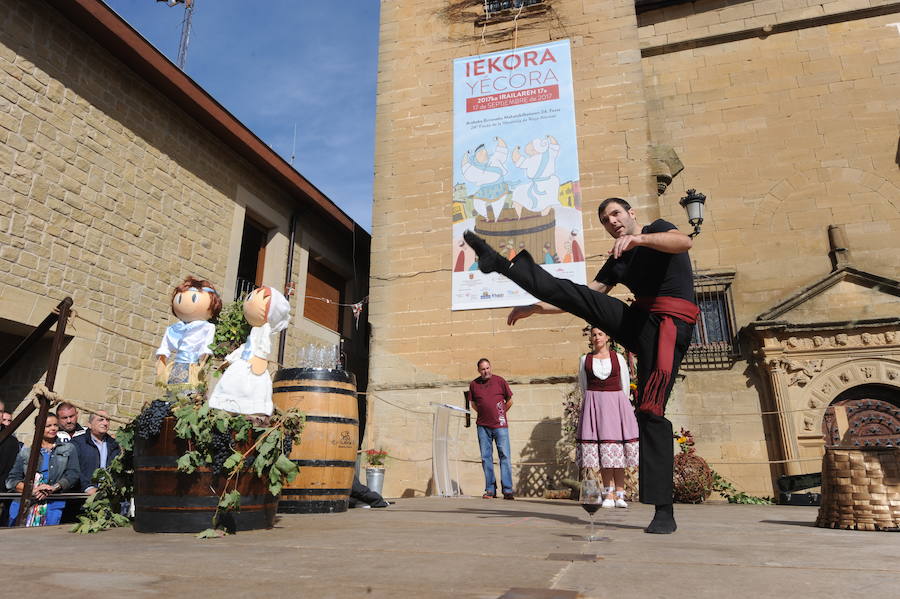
(515, 169)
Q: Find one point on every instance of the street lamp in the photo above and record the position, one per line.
(693, 203)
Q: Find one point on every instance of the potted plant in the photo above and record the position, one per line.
(375, 469)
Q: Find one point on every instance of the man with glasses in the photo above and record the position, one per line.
(96, 449)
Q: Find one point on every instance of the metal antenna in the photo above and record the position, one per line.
(185, 33)
(185, 29)
(294, 147)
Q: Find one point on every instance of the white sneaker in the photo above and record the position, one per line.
(608, 503)
(621, 503)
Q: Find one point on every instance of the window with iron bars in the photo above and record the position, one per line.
(714, 344)
(492, 7)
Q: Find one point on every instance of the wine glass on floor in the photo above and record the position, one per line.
(591, 498)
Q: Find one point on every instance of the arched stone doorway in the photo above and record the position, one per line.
(808, 373)
(873, 415)
(836, 340)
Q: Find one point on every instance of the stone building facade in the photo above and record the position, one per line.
(784, 113)
(119, 176)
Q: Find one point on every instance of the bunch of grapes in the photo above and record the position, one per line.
(221, 450)
(287, 444)
(149, 422)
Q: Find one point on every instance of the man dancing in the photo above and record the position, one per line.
(653, 262)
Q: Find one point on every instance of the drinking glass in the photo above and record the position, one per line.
(303, 358)
(591, 497)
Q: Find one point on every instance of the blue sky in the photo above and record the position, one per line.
(279, 62)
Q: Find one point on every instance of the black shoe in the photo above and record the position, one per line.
(488, 258)
(663, 522)
(509, 496)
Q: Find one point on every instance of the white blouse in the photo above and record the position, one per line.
(602, 370)
(258, 344)
(188, 340)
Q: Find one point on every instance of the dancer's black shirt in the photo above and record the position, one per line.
(651, 273)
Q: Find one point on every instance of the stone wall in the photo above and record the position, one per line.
(111, 194)
(785, 133)
(421, 350)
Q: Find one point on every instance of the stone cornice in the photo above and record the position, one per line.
(847, 273)
(762, 328)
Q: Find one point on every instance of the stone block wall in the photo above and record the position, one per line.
(722, 410)
(404, 426)
(420, 348)
(111, 194)
(785, 134)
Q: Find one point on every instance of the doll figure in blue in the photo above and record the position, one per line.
(187, 344)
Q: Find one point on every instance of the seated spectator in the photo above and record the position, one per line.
(9, 449)
(68, 422)
(363, 496)
(96, 449)
(57, 471)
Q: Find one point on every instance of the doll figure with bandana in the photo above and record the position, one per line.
(186, 344)
(246, 386)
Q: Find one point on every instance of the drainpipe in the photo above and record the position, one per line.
(288, 287)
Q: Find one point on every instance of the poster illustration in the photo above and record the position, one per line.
(515, 169)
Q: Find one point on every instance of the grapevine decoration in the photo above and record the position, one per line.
(212, 436)
(231, 330)
(115, 487)
(723, 487)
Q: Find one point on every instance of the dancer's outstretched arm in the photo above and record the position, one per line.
(520, 312)
(669, 242)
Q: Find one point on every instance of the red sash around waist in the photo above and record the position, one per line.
(653, 392)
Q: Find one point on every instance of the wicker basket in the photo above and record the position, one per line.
(860, 489)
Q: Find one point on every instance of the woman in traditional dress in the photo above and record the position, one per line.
(607, 431)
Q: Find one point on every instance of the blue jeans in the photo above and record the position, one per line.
(486, 439)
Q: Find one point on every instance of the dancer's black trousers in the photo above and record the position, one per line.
(635, 329)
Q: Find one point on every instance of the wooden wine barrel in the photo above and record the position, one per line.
(326, 453)
(530, 230)
(166, 500)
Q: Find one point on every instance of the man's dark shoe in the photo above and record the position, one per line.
(663, 522)
(488, 258)
(509, 496)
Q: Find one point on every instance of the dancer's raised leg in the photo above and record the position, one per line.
(582, 301)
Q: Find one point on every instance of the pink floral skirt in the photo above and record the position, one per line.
(607, 434)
